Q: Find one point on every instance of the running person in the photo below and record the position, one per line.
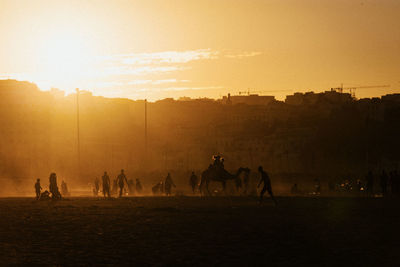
(267, 185)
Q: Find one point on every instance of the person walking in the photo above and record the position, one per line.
(267, 185)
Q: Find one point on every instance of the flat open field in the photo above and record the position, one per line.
(197, 231)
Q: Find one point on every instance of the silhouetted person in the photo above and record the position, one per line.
(348, 185)
(139, 186)
(218, 162)
(384, 181)
(96, 186)
(121, 180)
(267, 185)
(317, 185)
(193, 182)
(38, 188)
(64, 188)
(370, 183)
(106, 185)
(168, 185)
(55, 193)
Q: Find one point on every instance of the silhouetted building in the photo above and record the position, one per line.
(251, 99)
(310, 133)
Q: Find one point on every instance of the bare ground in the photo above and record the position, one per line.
(197, 231)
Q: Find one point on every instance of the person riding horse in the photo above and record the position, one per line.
(218, 162)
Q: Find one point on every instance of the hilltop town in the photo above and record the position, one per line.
(307, 135)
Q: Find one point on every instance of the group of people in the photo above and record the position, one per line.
(381, 183)
(164, 187)
(120, 182)
(53, 192)
(118, 186)
(122, 185)
(388, 183)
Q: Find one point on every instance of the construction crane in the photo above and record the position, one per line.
(249, 92)
(352, 90)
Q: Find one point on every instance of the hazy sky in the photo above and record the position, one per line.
(161, 48)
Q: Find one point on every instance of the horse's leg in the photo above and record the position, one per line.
(208, 190)
(224, 186)
(201, 186)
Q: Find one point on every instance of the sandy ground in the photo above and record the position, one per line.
(196, 231)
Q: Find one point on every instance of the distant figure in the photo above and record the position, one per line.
(106, 185)
(139, 187)
(267, 185)
(96, 187)
(64, 189)
(131, 187)
(384, 181)
(55, 194)
(294, 189)
(120, 181)
(38, 188)
(218, 162)
(317, 186)
(193, 182)
(370, 183)
(168, 184)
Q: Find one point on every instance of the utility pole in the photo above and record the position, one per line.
(77, 132)
(145, 133)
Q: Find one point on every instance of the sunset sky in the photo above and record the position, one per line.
(202, 48)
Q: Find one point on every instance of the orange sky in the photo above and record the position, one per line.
(159, 48)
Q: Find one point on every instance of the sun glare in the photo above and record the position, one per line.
(64, 61)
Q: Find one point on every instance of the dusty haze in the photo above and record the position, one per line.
(327, 135)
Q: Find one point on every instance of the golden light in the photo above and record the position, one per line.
(64, 60)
